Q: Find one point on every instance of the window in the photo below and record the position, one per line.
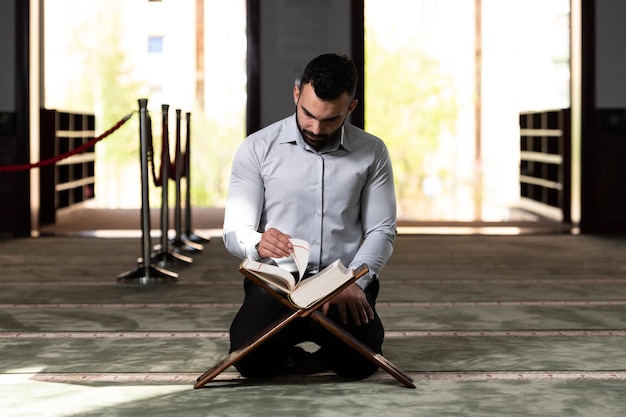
(155, 44)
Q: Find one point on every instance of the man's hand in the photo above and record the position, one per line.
(351, 301)
(274, 244)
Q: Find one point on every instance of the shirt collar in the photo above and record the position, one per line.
(295, 137)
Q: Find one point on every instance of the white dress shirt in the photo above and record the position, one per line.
(340, 199)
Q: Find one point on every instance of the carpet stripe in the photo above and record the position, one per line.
(442, 281)
(190, 378)
(114, 335)
(506, 333)
(533, 303)
(388, 334)
(120, 305)
(418, 304)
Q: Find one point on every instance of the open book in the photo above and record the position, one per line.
(301, 293)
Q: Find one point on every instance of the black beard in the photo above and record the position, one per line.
(320, 140)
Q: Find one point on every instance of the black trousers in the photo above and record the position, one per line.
(260, 309)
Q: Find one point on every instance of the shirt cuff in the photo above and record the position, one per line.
(365, 280)
(252, 251)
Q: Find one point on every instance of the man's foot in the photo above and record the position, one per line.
(297, 355)
(301, 361)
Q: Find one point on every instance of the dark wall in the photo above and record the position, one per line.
(603, 124)
(14, 117)
(283, 37)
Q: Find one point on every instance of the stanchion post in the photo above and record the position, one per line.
(162, 255)
(179, 243)
(145, 273)
(145, 191)
(189, 234)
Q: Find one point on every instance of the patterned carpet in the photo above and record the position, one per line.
(486, 325)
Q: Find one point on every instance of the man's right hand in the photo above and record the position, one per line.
(274, 244)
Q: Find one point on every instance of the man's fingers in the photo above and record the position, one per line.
(325, 308)
(355, 312)
(361, 313)
(343, 314)
(275, 244)
(368, 311)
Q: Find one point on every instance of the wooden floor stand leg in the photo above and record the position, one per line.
(238, 354)
(363, 349)
(327, 323)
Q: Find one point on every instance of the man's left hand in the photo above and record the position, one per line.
(351, 301)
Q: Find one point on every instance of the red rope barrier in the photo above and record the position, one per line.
(165, 157)
(185, 169)
(156, 178)
(77, 150)
(182, 161)
(177, 146)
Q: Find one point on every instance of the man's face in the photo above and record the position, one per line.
(319, 120)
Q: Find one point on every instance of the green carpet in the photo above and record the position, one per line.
(528, 325)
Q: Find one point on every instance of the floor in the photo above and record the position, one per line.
(511, 321)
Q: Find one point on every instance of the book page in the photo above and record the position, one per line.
(272, 274)
(299, 258)
(301, 251)
(320, 285)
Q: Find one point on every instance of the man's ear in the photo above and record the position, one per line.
(296, 94)
(353, 105)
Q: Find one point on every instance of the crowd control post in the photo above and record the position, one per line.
(189, 234)
(179, 243)
(163, 255)
(146, 273)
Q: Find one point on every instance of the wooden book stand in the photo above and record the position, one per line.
(297, 312)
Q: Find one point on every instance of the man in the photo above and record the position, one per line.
(315, 177)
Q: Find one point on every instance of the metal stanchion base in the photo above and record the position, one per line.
(185, 245)
(166, 258)
(147, 275)
(196, 238)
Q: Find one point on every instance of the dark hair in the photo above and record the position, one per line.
(331, 75)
